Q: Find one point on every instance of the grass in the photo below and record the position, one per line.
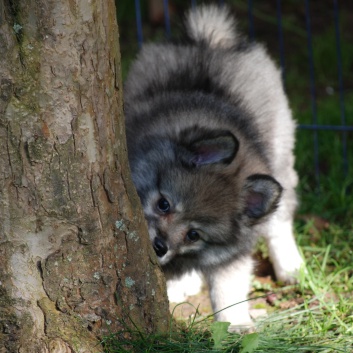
(316, 315)
(319, 317)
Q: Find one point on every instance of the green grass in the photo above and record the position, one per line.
(320, 321)
(321, 317)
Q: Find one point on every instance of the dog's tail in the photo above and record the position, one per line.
(212, 25)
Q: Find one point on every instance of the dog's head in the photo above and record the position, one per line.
(199, 199)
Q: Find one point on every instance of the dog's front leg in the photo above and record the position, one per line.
(229, 286)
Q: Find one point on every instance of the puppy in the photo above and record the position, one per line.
(210, 143)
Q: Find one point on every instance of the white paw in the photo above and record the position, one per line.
(239, 318)
(246, 327)
(287, 267)
(179, 289)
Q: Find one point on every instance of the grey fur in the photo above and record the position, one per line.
(209, 130)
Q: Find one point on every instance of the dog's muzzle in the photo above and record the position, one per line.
(160, 247)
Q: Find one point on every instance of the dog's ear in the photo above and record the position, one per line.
(261, 195)
(201, 147)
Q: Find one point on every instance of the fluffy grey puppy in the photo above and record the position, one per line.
(210, 142)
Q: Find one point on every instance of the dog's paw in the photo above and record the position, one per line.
(288, 272)
(246, 327)
(239, 318)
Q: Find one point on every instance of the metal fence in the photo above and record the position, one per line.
(344, 127)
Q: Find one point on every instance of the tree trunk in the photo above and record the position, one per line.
(75, 258)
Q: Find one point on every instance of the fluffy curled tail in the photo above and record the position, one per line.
(212, 25)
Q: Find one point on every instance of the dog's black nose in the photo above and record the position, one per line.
(160, 247)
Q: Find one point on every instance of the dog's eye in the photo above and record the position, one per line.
(163, 205)
(192, 236)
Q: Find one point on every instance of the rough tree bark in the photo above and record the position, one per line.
(75, 259)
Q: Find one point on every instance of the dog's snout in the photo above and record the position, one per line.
(160, 247)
